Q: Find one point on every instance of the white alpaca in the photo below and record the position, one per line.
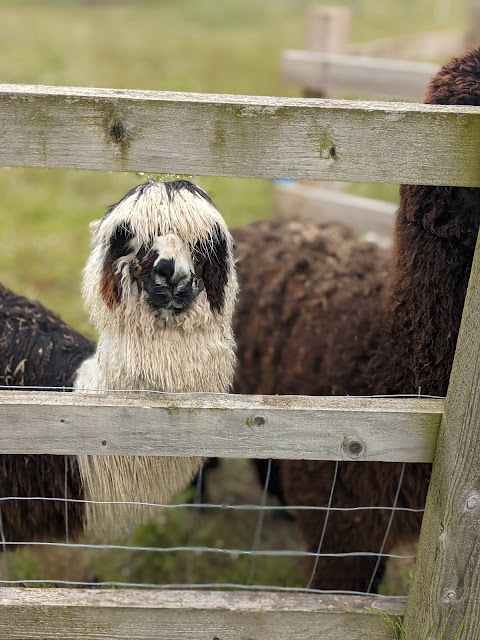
(160, 286)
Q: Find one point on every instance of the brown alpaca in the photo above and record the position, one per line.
(322, 313)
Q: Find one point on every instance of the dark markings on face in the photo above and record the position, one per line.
(166, 294)
(145, 265)
(212, 256)
(110, 286)
(165, 268)
(178, 185)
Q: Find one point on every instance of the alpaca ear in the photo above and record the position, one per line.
(118, 246)
(212, 256)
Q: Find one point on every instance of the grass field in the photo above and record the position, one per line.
(219, 46)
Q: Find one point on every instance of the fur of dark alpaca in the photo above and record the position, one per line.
(37, 349)
(322, 313)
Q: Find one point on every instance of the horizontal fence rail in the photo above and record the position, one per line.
(315, 71)
(201, 134)
(319, 203)
(179, 615)
(419, 46)
(325, 428)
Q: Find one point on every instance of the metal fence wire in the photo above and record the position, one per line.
(224, 531)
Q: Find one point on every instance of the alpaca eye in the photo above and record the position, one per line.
(198, 270)
(141, 253)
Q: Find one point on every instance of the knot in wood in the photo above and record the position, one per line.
(117, 131)
(472, 502)
(254, 421)
(449, 596)
(353, 448)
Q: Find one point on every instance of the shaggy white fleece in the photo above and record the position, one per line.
(142, 348)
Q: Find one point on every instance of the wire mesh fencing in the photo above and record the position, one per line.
(227, 530)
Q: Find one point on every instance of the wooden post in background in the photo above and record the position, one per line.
(446, 581)
(328, 30)
(472, 38)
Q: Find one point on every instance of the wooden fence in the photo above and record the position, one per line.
(386, 68)
(314, 200)
(357, 75)
(330, 65)
(262, 137)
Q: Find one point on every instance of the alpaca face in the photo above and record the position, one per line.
(163, 248)
(168, 275)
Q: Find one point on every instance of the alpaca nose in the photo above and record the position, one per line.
(165, 268)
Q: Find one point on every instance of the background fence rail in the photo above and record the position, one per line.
(322, 204)
(316, 71)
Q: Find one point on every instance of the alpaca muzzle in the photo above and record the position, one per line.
(171, 287)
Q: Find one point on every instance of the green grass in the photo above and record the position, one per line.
(398, 628)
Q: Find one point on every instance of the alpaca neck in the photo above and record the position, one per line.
(428, 285)
(170, 360)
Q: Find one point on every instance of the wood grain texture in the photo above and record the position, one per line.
(67, 614)
(326, 205)
(325, 428)
(447, 576)
(318, 71)
(200, 134)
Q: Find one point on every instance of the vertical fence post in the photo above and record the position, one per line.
(446, 582)
(327, 29)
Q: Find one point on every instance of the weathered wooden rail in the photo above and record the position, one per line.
(263, 137)
(326, 428)
(180, 615)
(256, 137)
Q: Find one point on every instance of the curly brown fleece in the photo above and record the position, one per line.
(37, 349)
(321, 313)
